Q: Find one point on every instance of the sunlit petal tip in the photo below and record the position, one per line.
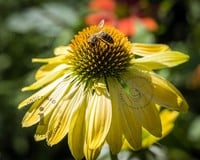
(186, 57)
(25, 124)
(30, 118)
(25, 102)
(21, 105)
(38, 137)
(167, 95)
(51, 144)
(160, 60)
(62, 50)
(176, 57)
(41, 60)
(183, 105)
(29, 88)
(26, 89)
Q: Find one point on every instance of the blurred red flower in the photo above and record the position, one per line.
(123, 14)
(194, 81)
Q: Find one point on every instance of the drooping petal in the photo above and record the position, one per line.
(27, 119)
(70, 105)
(41, 131)
(76, 135)
(167, 119)
(91, 154)
(44, 70)
(45, 106)
(138, 91)
(156, 89)
(41, 93)
(148, 49)
(114, 137)
(54, 74)
(139, 97)
(160, 60)
(98, 119)
(149, 118)
(131, 127)
(114, 133)
(55, 122)
(165, 94)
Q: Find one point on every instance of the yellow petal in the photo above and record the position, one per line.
(40, 133)
(76, 135)
(139, 98)
(59, 60)
(161, 60)
(62, 50)
(34, 109)
(44, 107)
(91, 154)
(131, 127)
(44, 70)
(98, 119)
(149, 86)
(149, 118)
(165, 94)
(68, 108)
(41, 130)
(142, 49)
(41, 94)
(114, 137)
(54, 74)
(139, 90)
(167, 120)
(56, 122)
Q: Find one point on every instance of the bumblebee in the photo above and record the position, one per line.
(100, 36)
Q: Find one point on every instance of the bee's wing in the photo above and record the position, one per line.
(101, 23)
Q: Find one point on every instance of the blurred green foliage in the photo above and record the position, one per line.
(34, 28)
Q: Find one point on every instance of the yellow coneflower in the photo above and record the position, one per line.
(101, 89)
